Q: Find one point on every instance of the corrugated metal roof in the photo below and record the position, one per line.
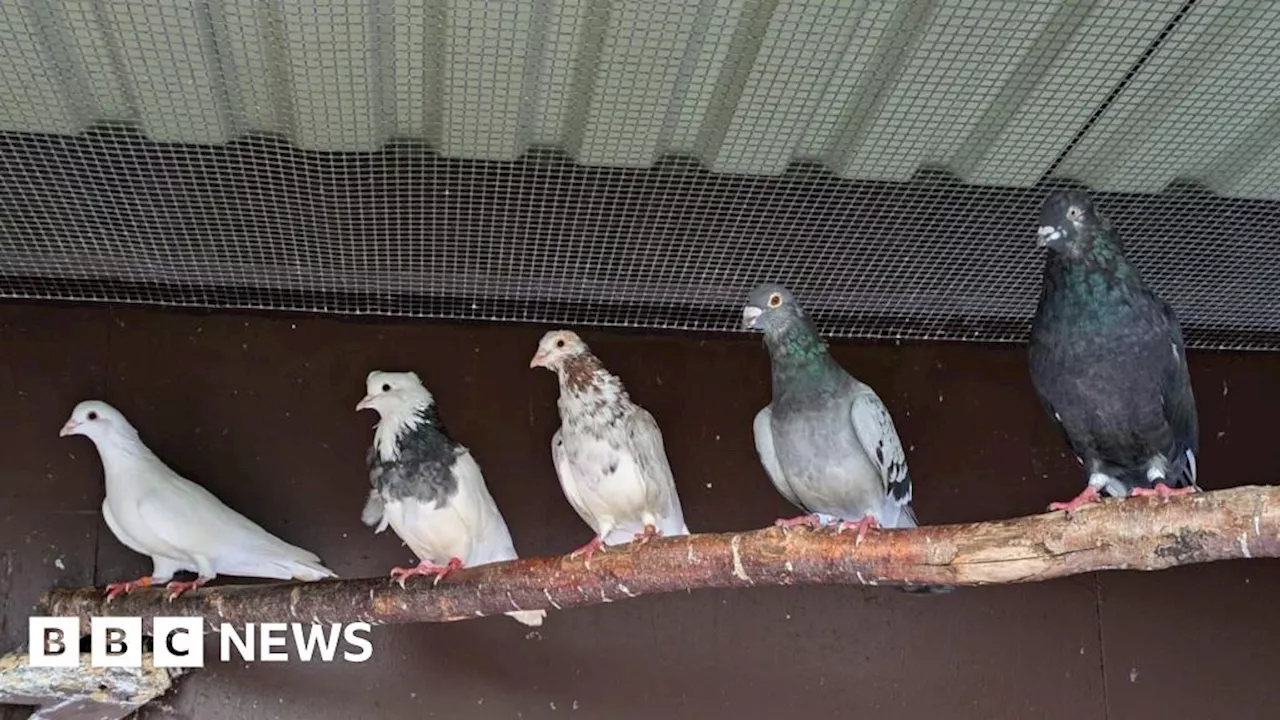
(998, 93)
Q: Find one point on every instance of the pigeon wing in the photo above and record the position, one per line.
(874, 428)
(763, 429)
(569, 481)
(644, 441)
(193, 522)
(1179, 402)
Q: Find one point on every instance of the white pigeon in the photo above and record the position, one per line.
(428, 488)
(608, 452)
(180, 525)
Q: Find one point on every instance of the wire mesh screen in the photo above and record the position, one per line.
(637, 163)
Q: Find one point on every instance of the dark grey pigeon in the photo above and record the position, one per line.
(826, 441)
(1108, 362)
(428, 488)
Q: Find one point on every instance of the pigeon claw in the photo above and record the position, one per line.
(810, 521)
(1162, 491)
(862, 526)
(650, 532)
(177, 588)
(1088, 495)
(425, 567)
(589, 550)
(115, 590)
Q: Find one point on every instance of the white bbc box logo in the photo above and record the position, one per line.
(179, 642)
(53, 641)
(115, 641)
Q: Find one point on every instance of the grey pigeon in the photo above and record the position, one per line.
(608, 452)
(1108, 361)
(180, 525)
(428, 488)
(826, 440)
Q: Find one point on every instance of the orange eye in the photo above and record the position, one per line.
(775, 300)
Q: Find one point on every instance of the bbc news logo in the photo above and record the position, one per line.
(179, 642)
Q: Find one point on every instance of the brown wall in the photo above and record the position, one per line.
(260, 412)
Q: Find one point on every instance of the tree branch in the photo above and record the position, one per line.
(1133, 534)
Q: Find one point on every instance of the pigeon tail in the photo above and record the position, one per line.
(274, 568)
(311, 571)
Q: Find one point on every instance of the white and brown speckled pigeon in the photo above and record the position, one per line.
(608, 451)
(428, 488)
(180, 525)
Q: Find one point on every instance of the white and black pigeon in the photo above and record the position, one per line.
(428, 488)
(608, 451)
(826, 440)
(180, 525)
(1108, 361)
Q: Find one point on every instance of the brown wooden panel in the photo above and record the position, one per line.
(260, 410)
(53, 358)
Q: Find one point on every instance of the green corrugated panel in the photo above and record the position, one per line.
(169, 67)
(563, 34)
(330, 49)
(413, 47)
(1202, 109)
(708, 69)
(1078, 55)
(82, 45)
(801, 48)
(990, 91)
(630, 80)
(247, 34)
(486, 67)
(34, 99)
(875, 89)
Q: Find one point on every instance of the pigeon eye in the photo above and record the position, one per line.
(775, 300)
(1074, 214)
(93, 415)
(386, 387)
(560, 343)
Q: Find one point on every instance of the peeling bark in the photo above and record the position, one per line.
(82, 692)
(1134, 534)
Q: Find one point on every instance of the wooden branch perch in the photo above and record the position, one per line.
(1133, 534)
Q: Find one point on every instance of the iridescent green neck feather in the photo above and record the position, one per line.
(799, 355)
(1093, 282)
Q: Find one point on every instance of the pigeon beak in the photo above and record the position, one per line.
(365, 404)
(69, 428)
(750, 314)
(1047, 234)
(539, 360)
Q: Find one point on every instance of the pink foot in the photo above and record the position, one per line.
(810, 521)
(425, 567)
(177, 588)
(115, 590)
(866, 523)
(1162, 491)
(589, 550)
(1088, 495)
(650, 532)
